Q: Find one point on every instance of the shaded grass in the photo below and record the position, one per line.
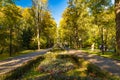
(83, 71)
(6, 55)
(106, 54)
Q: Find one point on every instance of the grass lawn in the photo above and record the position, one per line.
(6, 55)
(106, 54)
(57, 66)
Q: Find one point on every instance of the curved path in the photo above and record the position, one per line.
(13, 63)
(110, 65)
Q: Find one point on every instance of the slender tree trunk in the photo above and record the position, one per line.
(76, 35)
(117, 11)
(102, 40)
(2, 50)
(106, 39)
(38, 37)
(10, 53)
(70, 42)
(37, 24)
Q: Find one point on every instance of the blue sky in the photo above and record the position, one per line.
(55, 6)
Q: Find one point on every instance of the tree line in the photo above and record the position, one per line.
(84, 24)
(89, 23)
(25, 28)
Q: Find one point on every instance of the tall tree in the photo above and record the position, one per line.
(39, 6)
(12, 14)
(74, 22)
(117, 11)
(97, 7)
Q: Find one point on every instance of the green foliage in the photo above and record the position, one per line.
(18, 28)
(27, 38)
(88, 22)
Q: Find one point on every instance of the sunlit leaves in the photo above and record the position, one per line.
(86, 18)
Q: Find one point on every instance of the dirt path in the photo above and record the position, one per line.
(11, 64)
(112, 66)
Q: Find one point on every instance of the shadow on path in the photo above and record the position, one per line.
(112, 66)
(13, 63)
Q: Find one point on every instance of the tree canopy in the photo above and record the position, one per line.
(84, 23)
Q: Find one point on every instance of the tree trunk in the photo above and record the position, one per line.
(76, 38)
(106, 40)
(38, 37)
(102, 40)
(10, 53)
(70, 42)
(37, 24)
(117, 11)
(93, 47)
(2, 50)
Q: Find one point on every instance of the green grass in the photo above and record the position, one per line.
(99, 53)
(82, 70)
(33, 73)
(6, 55)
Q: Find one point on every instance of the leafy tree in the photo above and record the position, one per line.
(39, 7)
(74, 23)
(88, 22)
(97, 8)
(11, 15)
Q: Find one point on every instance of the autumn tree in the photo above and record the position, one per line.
(74, 22)
(97, 8)
(39, 7)
(11, 16)
(88, 23)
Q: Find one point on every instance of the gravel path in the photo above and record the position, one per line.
(13, 63)
(112, 66)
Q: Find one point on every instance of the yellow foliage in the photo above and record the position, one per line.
(44, 1)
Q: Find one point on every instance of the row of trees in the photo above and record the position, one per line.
(84, 23)
(88, 23)
(25, 28)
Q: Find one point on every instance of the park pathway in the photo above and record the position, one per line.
(13, 63)
(110, 65)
